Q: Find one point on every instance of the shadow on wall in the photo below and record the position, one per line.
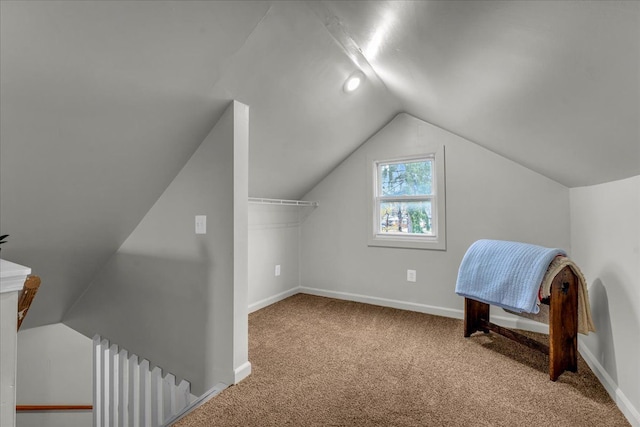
(625, 324)
(601, 343)
(154, 307)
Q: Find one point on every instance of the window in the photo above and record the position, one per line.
(405, 197)
(408, 202)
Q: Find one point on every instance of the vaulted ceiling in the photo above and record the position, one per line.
(102, 103)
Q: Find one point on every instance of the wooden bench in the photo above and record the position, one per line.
(563, 324)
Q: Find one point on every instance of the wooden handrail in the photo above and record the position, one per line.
(29, 290)
(25, 408)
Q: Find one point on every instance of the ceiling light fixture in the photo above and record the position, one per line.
(354, 81)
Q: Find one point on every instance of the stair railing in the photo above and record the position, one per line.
(128, 392)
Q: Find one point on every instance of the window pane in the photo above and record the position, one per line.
(406, 178)
(406, 217)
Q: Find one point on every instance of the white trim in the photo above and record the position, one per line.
(273, 299)
(402, 305)
(522, 323)
(507, 322)
(241, 372)
(204, 398)
(283, 202)
(12, 276)
(622, 401)
(435, 241)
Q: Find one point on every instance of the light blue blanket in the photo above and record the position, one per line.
(506, 274)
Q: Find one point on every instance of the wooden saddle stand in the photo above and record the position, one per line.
(563, 324)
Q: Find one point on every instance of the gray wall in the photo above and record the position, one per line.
(55, 368)
(274, 236)
(488, 196)
(174, 297)
(605, 234)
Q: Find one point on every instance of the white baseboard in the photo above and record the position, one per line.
(507, 322)
(624, 404)
(206, 396)
(385, 302)
(242, 372)
(273, 299)
(516, 322)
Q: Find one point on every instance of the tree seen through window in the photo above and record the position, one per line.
(405, 197)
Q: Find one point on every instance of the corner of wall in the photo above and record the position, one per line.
(166, 287)
(605, 240)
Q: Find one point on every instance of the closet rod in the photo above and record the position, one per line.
(262, 201)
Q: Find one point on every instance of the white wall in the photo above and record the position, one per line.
(174, 297)
(273, 240)
(55, 367)
(605, 236)
(488, 196)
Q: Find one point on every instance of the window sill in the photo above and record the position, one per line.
(407, 242)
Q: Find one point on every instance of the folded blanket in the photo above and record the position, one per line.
(506, 274)
(585, 321)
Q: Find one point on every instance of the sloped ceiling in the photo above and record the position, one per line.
(553, 85)
(102, 103)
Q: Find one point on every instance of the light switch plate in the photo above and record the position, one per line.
(201, 224)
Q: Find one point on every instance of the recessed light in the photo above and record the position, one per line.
(354, 81)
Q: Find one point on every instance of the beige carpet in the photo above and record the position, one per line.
(325, 362)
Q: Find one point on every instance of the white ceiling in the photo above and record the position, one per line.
(553, 85)
(102, 103)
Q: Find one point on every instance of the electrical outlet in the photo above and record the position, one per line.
(411, 275)
(278, 270)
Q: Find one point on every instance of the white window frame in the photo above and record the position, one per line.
(434, 241)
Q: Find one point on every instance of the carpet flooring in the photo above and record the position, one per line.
(326, 362)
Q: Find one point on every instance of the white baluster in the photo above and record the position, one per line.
(132, 363)
(106, 383)
(114, 395)
(123, 388)
(168, 396)
(145, 393)
(183, 395)
(156, 387)
(97, 382)
(128, 393)
(138, 402)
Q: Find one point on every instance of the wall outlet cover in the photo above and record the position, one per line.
(411, 275)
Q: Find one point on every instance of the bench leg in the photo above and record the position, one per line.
(475, 313)
(563, 324)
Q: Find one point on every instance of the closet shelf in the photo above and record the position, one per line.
(301, 203)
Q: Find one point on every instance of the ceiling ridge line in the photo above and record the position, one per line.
(227, 64)
(341, 36)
